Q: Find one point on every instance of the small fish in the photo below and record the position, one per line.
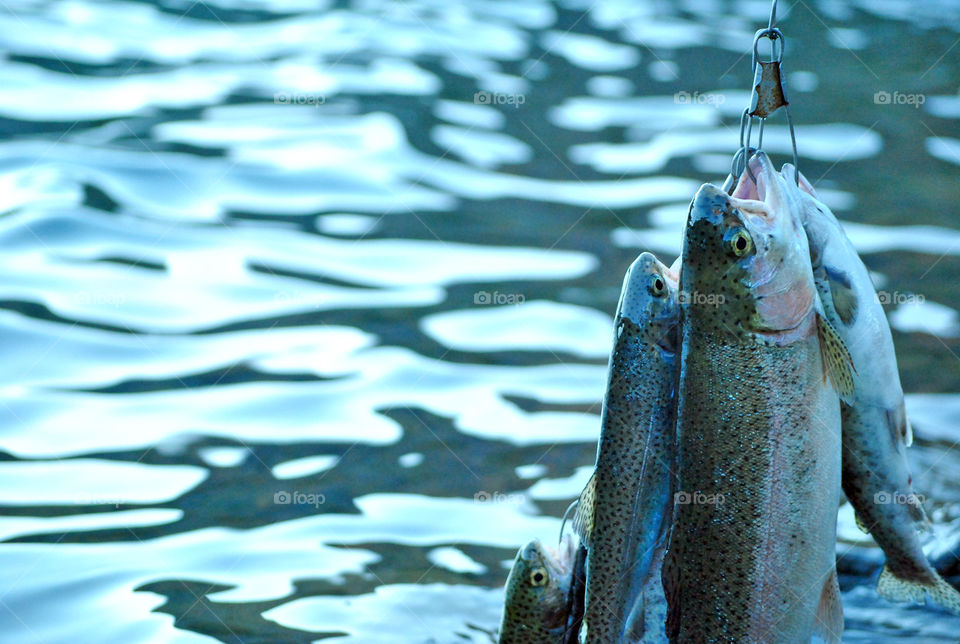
(537, 605)
(752, 549)
(876, 432)
(624, 513)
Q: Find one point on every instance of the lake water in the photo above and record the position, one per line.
(305, 306)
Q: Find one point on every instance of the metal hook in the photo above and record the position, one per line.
(747, 149)
(563, 521)
(793, 142)
(767, 97)
(742, 154)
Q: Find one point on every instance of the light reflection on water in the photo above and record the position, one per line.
(303, 336)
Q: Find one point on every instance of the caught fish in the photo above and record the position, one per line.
(752, 550)
(624, 513)
(537, 605)
(876, 478)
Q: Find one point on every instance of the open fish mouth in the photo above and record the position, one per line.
(764, 196)
(559, 560)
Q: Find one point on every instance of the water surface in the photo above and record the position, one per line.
(305, 306)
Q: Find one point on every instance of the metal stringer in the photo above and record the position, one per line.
(767, 97)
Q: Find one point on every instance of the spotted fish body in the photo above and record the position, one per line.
(536, 608)
(624, 522)
(752, 550)
(876, 478)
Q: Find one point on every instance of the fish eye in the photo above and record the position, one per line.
(738, 242)
(656, 285)
(538, 577)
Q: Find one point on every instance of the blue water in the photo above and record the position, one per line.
(305, 306)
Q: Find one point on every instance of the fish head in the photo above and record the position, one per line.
(539, 581)
(747, 255)
(649, 296)
(790, 172)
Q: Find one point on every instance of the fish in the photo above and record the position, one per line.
(876, 477)
(624, 513)
(751, 556)
(538, 594)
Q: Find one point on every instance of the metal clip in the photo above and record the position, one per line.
(768, 92)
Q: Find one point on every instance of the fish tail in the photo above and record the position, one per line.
(920, 519)
(907, 590)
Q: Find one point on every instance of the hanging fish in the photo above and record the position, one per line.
(876, 432)
(752, 550)
(536, 608)
(624, 513)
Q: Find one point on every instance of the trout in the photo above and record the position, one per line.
(624, 513)
(876, 432)
(537, 605)
(752, 550)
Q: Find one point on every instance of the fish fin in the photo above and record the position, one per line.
(900, 431)
(896, 589)
(901, 434)
(576, 598)
(843, 296)
(860, 524)
(921, 521)
(583, 517)
(829, 624)
(836, 359)
(635, 626)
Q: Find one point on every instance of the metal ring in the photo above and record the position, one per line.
(744, 119)
(775, 36)
(736, 168)
(741, 163)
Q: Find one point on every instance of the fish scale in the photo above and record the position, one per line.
(753, 567)
(624, 514)
(537, 595)
(875, 476)
(752, 549)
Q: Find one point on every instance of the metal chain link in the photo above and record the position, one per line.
(767, 97)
